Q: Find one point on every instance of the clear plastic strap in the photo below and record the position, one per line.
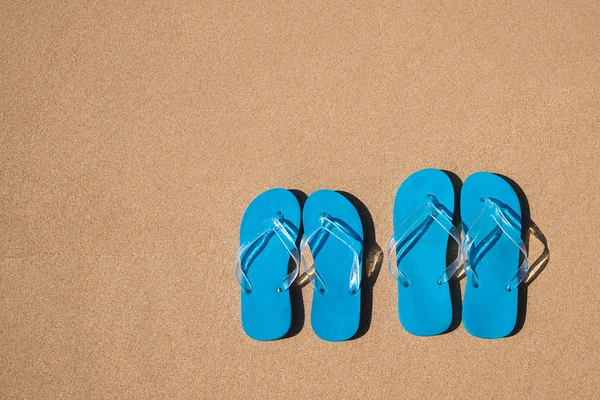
(507, 224)
(412, 228)
(342, 232)
(276, 226)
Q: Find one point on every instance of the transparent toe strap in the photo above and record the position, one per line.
(412, 229)
(345, 234)
(507, 224)
(248, 252)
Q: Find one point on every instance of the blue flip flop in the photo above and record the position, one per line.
(268, 235)
(492, 225)
(333, 231)
(423, 213)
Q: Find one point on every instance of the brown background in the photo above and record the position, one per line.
(135, 133)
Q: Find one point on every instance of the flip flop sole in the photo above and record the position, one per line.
(424, 307)
(266, 313)
(335, 315)
(490, 310)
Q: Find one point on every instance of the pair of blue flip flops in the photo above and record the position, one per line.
(417, 255)
(331, 254)
(424, 217)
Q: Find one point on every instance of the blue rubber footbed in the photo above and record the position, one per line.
(424, 307)
(267, 314)
(335, 315)
(490, 310)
